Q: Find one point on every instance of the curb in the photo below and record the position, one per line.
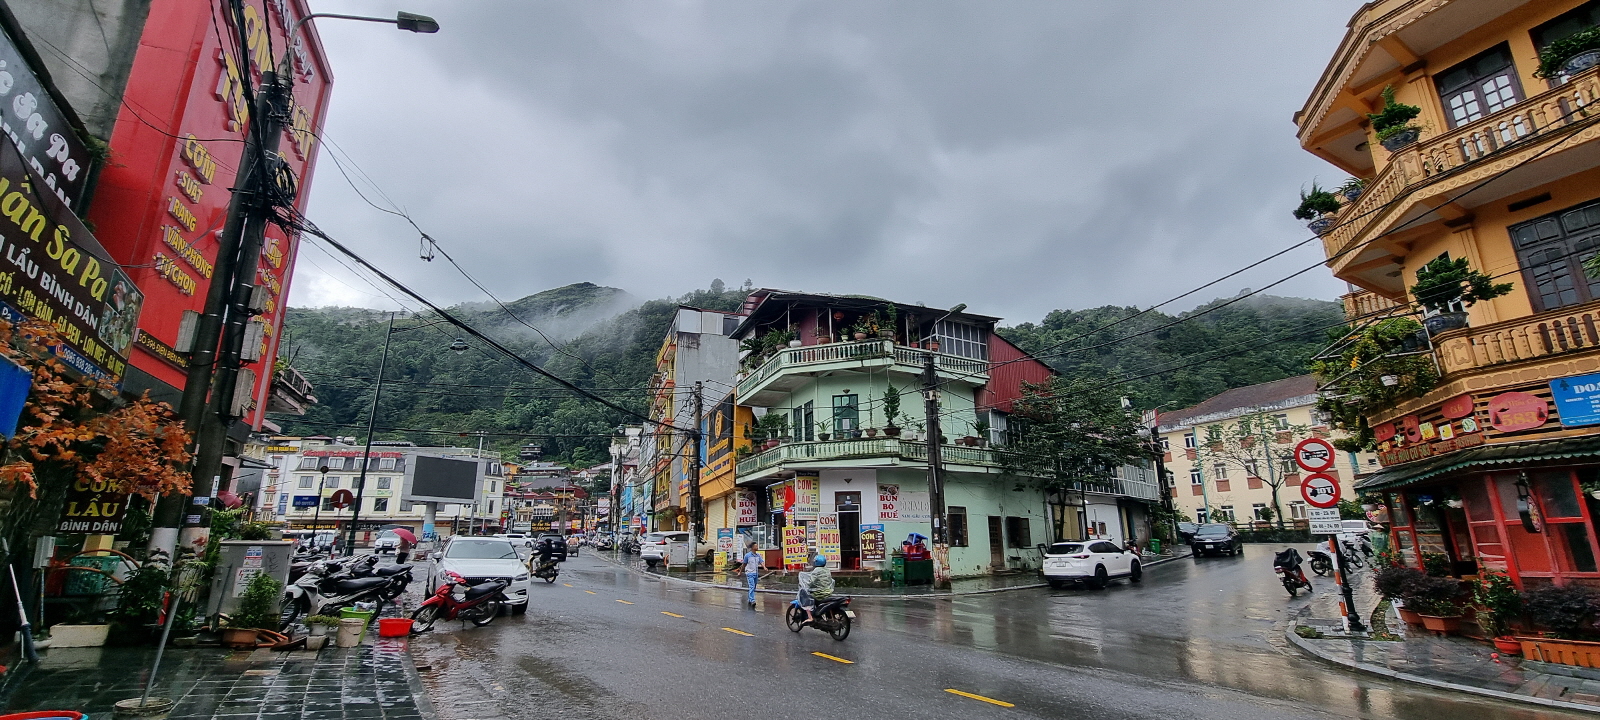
(929, 596)
(419, 693)
(1305, 646)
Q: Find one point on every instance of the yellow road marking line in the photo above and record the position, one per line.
(567, 584)
(739, 632)
(591, 592)
(835, 659)
(624, 602)
(663, 612)
(991, 701)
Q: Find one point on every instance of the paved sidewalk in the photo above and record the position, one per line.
(375, 681)
(779, 583)
(1450, 663)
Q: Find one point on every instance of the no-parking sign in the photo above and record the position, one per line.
(1320, 490)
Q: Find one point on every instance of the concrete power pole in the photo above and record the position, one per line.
(941, 540)
(696, 511)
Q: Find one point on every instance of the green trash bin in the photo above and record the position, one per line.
(1155, 545)
(897, 568)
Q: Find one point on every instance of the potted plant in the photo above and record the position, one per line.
(258, 611)
(319, 624)
(932, 345)
(823, 428)
(1591, 487)
(1444, 282)
(1394, 582)
(891, 410)
(822, 336)
(871, 432)
(1569, 56)
(982, 430)
(1319, 207)
(1351, 189)
(1498, 604)
(1434, 598)
(1393, 123)
(1567, 613)
(860, 330)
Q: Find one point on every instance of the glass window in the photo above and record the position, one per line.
(961, 339)
(1476, 500)
(1250, 469)
(380, 504)
(307, 481)
(1017, 534)
(1166, 445)
(405, 506)
(1556, 493)
(1219, 471)
(1225, 513)
(1583, 17)
(1574, 539)
(308, 463)
(803, 422)
(1281, 422)
(1188, 441)
(1397, 510)
(958, 525)
(1297, 510)
(385, 483)
(846, 414)
(327, 504)
(386, 463)
(1258, 511)
(332, 483)
(1480, 86)
(1551, 251)
(1195, 477)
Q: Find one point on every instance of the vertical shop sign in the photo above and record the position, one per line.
(874, 543)
(888, 502)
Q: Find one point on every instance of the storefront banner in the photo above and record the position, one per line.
(1577, 399)
(724, 541)
(888, 502)
(38, 128)
(794, 545)
(807, 497)
(747, 508)
(91, 508)
(1513, 411)
(874, 543)
(828, 541)
(914, 506)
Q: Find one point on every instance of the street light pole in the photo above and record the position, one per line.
(372, 418)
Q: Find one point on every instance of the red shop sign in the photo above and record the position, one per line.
(1384, 432)
(1457, 407)
(1513, 411)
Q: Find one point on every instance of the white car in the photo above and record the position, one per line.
(653, 546)
(479, 559)
(387, 542)
(1092, 563)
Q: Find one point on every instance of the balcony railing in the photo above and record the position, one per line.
(1570, 329)
(1430, 159)
(1366, 304)
(881, 351)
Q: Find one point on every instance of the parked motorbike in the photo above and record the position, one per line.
(1321, 563)
(1356, 555)
(320, 591)
(478, 604)
(630, 545)
(1287, 565)
(833, 617)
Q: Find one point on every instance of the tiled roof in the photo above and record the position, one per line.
(1266, 394)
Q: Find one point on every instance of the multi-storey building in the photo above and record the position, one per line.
(698, 348)
(297, 492)
(838, 463)
(1216, 487)
(1492, 467)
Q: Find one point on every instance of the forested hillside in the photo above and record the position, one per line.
(607, 342)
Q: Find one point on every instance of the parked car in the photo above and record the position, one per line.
(1093, 563)
(653, 547)
(563, 547)
(1186, 531)
(1216, 538)
(479, 559)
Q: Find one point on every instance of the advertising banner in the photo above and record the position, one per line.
(794, 545)
(724, 541)
(828, 541)
(914, 506)
(38, 128)
(747, 508)
(874, 544)
(888, 502)
(807, 497)
(1577, 399)
(90, 508)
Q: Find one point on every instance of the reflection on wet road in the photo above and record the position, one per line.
(1196, 639)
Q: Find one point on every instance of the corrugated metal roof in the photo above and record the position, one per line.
(1489, 455)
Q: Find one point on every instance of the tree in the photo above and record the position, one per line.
(1071, 431)
(1253, 442)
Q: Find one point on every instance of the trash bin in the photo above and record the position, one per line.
(350, 630)
(1155, 546)
(897, 569)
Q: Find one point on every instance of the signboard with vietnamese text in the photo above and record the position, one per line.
(828, 539)
(91, 508)
(794, 545)
(1577, 399)
(1324, 521)
(874, 543)
(1513, 411)
(38, 129)
(747, 508)
(888, 502)
(807, 497)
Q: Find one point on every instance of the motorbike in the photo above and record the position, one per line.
(547, 570)
(833, 617)
(478, 604)
(630, 545)
(1321, 563)
(1356, 555)
(1287, 565)
(323, 591)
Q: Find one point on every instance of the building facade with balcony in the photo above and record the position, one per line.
(698, 348)
(1492, 467)
(837, 465)
(1211, 488)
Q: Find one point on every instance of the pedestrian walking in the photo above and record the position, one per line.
(752, 571)
(404, 552)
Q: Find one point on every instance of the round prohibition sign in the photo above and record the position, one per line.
(1320, 490)
(342, 499)
(1313, 454)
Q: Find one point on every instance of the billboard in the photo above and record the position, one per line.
(431, 478)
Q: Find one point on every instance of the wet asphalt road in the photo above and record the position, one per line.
(1196, 639)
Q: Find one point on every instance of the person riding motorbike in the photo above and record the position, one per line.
(814, 586)
(1290, 561)
(547, 556)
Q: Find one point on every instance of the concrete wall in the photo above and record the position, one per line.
(88, 48)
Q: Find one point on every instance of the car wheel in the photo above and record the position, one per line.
(650, 564)
(1100, 578)
(1136, 573)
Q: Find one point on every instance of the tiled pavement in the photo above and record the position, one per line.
(370, 682)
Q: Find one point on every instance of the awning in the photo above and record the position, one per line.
(1587, 446)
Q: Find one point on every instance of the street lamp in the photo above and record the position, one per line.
(403, 20)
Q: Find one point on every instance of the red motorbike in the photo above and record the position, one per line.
(479, 604)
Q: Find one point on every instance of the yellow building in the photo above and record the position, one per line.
(727, 432)
(1490, 466)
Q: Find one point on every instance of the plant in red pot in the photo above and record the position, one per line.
(1391, 581)
(1436, 600)
(1498, 603)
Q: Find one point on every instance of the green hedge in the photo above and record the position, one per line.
(1276, 536)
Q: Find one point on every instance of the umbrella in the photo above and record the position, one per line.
(405, 535)
(229, 500)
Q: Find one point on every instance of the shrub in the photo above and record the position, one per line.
(258, 604)
(1316, 203)
(1556, 54)
(1442, 282)
(1567, 612)
(1500, 600)
(1437, 565)
(322, 620)
(1394, 118)
(1391, 581)
(1430, 595)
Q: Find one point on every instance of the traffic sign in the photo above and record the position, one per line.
(1314, 454)
(342, 499)
(1320, 490)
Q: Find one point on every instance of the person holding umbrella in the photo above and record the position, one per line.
(407, 540)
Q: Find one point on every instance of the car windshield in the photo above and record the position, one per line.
(1213, 530)
(1066, 548)
(481, 549)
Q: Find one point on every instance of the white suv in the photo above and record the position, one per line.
(653, 547)
(1092, 563)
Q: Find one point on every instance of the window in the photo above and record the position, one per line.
(308, 463)
(386, 463)
(1297, 510)
(958, 525)
(1259, 511)
(1195, 478)
(961, 339)
(846, 412)
(1250, 469)
(332, 483)
(1225, 513)
(1551, 251)
(1480, 86)
(804, 422)
(327, 504)
(380, 504)
(1017, 535)
(1585, 16)
(1201, 516)
(1281, 422)
(405, 506)
(1219, 471)
(385, 483)
(1166, 445)
(306, 481)
(1188, 441)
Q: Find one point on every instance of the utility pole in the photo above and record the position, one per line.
(696, 526)
(372, 419)
(316, 517)
(941, 541)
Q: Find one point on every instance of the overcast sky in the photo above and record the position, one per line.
(1016, 156)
